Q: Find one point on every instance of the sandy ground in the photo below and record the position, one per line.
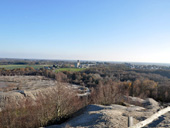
(113, 116)
(11, 83)
(116, 116)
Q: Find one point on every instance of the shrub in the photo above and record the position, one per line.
(61, 103)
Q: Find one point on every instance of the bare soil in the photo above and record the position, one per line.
(113, 116)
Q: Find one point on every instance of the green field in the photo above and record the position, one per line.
(70, 69)
(41, 66)
(21, 66)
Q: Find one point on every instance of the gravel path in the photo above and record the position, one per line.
(162, 122)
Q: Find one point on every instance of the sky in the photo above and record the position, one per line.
(102, 30)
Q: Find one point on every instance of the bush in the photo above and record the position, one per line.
(61, 103)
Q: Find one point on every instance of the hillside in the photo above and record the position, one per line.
(112, 116)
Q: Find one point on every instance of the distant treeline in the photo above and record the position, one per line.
(32, 62)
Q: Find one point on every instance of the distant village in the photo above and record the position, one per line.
(78, 64)
(83, 65)
(148, 67)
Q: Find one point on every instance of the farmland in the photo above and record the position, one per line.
(69, 69)
(21, 66)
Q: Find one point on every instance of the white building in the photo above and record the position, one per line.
(77, 64)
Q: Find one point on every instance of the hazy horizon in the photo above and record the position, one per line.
(119, 62)
(110, 30)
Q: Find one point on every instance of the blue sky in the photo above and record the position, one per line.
(108, 30)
